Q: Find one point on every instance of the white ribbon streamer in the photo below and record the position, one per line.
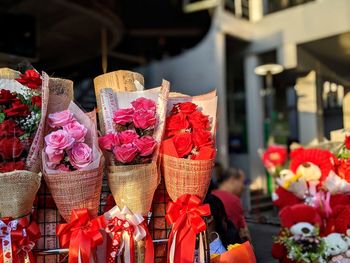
(133, 220)
(5, 236)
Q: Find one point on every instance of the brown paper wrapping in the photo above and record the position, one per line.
(183, 176)
(120, 80)
(17, 193)
(74, 190)
(134, 185)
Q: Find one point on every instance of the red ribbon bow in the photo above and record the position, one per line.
(23, 236)
(81, 234)
(185, 216)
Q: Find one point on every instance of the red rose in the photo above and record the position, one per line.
(6, 96)
(183, 144)
(176, 123)
(185, 108)
(10, 148)
(347, 142)
(36, 100)
(31, 79)
(6, 167)
(10, 128)
(17, 109)
(202, 138)
(199, 121)
(343, 169)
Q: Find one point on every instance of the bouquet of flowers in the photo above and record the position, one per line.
(188, 150)
(133, 122)
(235, 253)
(301, 248)
(72, 161)
(23, 103)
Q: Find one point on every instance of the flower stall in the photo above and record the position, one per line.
(80, 188)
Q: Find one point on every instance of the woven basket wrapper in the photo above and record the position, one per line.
(74, 190)
(134, 185)
(17, 193)
(183, 176)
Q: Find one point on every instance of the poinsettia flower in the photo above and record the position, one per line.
(31, 79)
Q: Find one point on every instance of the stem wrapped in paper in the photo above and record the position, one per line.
(133, 184)
(188, 153)
(80, 188)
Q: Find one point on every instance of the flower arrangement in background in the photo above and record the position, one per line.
(65, 147)
(187, 133)
(274, 158)
(20, 115)
(133, 142)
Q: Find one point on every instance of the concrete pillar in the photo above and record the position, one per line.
(222, 130)
(287, 55)
(307, 108)
(255, 121)
(256, 10)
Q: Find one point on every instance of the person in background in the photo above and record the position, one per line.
(230, 187)
(222, 231)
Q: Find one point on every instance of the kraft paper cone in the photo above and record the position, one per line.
(134, 186)
(184, 176)
(74, 190)
(17, 193)
(61, 94)
(120, 80)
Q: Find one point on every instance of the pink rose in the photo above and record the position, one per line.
(127, 136)
(109, 141)
(54, 156)
(59, 119)
(59, 140)
(123, 116)
(144, 104)
(76, 130)
(145, 145)
(125, 153)
(144, 119)
(80, 156)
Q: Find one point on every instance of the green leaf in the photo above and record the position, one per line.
(2, 117)
(24, 136)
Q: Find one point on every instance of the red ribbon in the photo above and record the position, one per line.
(82, 234)
(23, 238)
(185, 216)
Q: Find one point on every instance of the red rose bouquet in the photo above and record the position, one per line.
(133, 122)
(23, 103)
(188, 150)
(72, 161)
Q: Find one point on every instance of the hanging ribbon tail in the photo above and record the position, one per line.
(149, 248)
(185, 215)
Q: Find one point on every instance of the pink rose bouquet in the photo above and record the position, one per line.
(133, 123)
(65, 148)
(72, 161)
(133, 142)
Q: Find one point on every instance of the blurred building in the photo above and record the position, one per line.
(309, 39)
